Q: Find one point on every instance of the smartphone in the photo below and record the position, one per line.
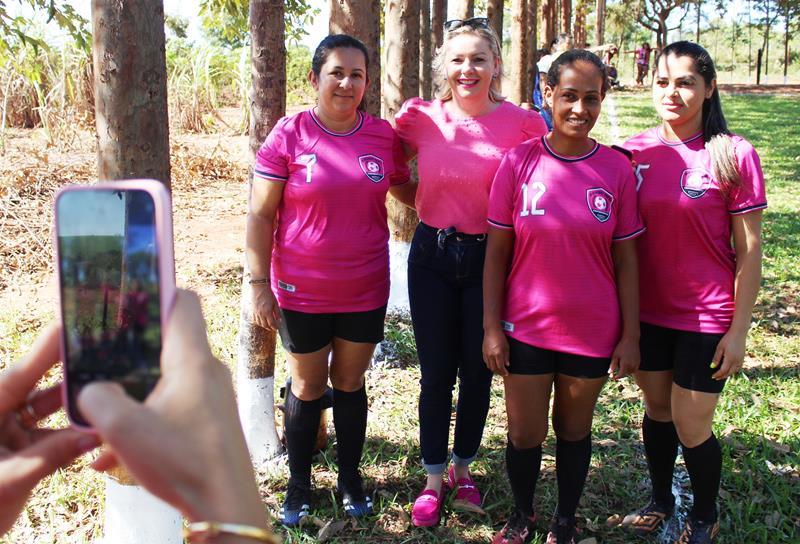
(116, 274)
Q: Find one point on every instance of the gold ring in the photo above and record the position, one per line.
(26, 416)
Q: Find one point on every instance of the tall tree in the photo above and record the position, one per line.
(494, 11)
(401, 47)
(790, 9)
(130, 88)
(533, 40)
(653, 15)
(519, 50)
(438, 17)
(425, 76)
(699, 5)
(465, 9)
(548, 21)
(256, 353)
(579, 27)
(600, 22)
(566, 16)
(361, 19)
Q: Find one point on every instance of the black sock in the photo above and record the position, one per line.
(661, 449)
(302, 422)
(704, 464)
(523, 467)
(350, 422)
(572, 466)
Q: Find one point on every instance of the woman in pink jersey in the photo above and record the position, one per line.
(561, 300)
(699, 186)
(317, 247)
(459, 140)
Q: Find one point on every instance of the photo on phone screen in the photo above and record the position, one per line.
(109, 281)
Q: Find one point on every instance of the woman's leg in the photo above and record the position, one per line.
(573, 410)
(348, 365)
(527, 406)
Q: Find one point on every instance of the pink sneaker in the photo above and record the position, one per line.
(467, 495)
(427, 508)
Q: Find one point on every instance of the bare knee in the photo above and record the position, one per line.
(347, 383)
(523, 439)
(308, 389)
(691, 433)
(572, 433)
(658, 409)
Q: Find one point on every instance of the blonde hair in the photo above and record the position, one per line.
(443, 90)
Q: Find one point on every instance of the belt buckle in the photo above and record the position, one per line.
(443, 234)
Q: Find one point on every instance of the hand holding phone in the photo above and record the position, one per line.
(116, 273)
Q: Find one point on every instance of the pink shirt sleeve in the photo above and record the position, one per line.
(501, 197)
(751, 194)
(629, 221)
(401, 172)
(272, 159)
(534, 125)
(406, 122)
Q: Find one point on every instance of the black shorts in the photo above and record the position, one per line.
(303, 332)
(527, 359)
(688, 354)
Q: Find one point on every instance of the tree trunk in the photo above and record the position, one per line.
(519, 50)
(548, 22)
(566, 16)
(361, 19)
(465, 9)
(438, 16)
(256, 354)
(580, 24)
(533, 10)
(600, 22)
(786, 21)
(494, 11)
(130, 90)
(401, 47)
(425, 76)
(130, 86)
(699, 13)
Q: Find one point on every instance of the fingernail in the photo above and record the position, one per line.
(88, 443)
(713, 365)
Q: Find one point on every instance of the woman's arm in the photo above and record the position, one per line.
(405, 193)
(265, 197)
(625, 358)
(747, 243)
(499, 249)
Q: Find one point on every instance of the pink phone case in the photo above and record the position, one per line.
(164, 249)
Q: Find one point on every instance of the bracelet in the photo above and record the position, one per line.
(202, 531)
(259, 282)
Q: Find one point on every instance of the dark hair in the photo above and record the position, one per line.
(568, 58)
(715, 128)
(336, 41)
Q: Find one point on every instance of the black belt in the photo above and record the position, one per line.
(442, 235)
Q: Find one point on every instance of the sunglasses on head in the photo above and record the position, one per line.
(475, 22)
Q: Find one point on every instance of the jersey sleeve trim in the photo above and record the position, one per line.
(633, 234)
(748, 209)
(500, 225)
(268, 175)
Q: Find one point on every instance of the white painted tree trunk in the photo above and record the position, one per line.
(398, 273)
(255, 395)
(134, 516)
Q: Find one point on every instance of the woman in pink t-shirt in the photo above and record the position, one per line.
(561, 296)
(459, 140)
(699, 187)
(317, 248)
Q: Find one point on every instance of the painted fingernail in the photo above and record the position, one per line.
(713, 365)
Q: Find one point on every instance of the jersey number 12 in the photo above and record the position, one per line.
(536, 191)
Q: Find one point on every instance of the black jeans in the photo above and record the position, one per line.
(446, 297)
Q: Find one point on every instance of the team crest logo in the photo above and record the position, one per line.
(599, 201)
(372, 166)
(695, 182)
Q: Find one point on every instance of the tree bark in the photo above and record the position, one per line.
(438, 17)
(465, 9)
(401, 47)
(548, 22)
(699, 17)
(256, 353)
(530, 65)
(361, 19)
(130, 87)
(425, 76)
(519, 50)
(600, 22)
(579, 28)
(566, 16)
(494, 11)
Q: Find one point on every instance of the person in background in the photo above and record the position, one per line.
(458, 140)
(562, 43)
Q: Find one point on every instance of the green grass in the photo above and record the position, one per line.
(758, 419)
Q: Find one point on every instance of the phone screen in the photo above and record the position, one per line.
(109, 285)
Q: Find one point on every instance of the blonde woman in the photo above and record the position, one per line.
(459, 140)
